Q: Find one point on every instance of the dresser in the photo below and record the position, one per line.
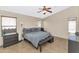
(73, 43)
(10, 39)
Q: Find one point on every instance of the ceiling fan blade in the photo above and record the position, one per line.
(50, 11)
(49, 8)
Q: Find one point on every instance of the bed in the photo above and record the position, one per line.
(37, 36)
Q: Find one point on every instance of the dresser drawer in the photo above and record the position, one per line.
(10, 36)
(10, 40)
(6, 44)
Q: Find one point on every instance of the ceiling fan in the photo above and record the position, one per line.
(44, 10)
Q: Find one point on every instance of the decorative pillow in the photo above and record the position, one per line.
(25, 30)
(36, 29)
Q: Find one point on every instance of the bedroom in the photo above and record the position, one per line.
(56, 24)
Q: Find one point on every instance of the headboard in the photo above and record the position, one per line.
(28, 30)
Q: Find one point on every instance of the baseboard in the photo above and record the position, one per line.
(61, 37)
(20, 40)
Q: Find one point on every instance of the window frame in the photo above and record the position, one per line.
(75, 25)
(72, 19)
(8, 17)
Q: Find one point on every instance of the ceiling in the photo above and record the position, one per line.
(32, 10)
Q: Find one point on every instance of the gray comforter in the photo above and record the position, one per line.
(36, 37)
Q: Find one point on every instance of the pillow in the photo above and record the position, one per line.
(28, 30)
(36, 29)
(25, 30)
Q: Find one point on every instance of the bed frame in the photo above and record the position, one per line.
(49, 39)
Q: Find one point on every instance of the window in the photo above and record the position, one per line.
(72, 26)
(8, 24)
(40, 23)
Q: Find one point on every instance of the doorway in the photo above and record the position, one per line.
(72, 28)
